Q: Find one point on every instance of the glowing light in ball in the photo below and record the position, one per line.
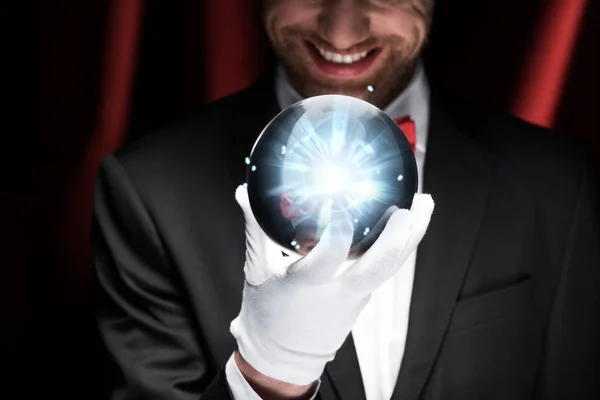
(329, 157)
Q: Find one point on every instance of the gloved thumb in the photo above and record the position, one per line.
(324, 260)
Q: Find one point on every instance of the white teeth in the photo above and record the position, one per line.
(341, 58)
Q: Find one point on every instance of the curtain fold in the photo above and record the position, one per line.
(234, 53)
(88, 65)
(538, 92)
(115, 88)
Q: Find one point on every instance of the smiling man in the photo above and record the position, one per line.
(494, 294)
(346, 47)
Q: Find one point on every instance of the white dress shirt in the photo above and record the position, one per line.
(380, 331)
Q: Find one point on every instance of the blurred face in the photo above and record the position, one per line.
(361, 48)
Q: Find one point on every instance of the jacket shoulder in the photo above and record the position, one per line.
(512, 138)
(197, 127)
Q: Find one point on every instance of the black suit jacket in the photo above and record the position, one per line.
(506, 298)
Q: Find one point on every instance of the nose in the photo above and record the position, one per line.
(344, 23)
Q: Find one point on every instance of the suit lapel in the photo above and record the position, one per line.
(344, 372)
(457, 175)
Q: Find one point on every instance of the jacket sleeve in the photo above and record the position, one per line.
(148, 339)
(570, 364)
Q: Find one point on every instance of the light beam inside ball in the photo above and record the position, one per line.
(333, 179)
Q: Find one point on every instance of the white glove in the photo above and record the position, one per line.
(296, 312)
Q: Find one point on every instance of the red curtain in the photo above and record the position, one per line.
(538, 92)
(113, 69)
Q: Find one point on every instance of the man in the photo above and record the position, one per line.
(501, 301)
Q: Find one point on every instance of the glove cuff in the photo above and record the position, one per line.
(277, 362)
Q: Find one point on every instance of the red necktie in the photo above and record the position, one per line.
(408, 127)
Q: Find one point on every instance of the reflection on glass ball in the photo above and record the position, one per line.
(329, 157)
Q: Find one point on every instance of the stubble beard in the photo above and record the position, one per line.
(387, 81)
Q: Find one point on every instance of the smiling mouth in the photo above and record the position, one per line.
(342, 64)
(345, 57)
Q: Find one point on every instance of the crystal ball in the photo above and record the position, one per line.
(329, 157)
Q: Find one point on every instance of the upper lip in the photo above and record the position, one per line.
(350, 51)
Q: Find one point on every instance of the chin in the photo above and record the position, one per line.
(358, 87)
(357, 92)
(309, 82)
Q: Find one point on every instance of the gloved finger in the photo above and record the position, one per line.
(262, 259)
(421, 211)
(375, 231)
(241, 196)
(384, 251)
(254, 233)
(399, 239)
(321, 264)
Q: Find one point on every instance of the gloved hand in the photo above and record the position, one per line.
(296, 312)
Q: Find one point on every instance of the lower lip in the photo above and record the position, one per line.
(340, 70)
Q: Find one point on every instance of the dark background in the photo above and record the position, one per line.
(114, 70)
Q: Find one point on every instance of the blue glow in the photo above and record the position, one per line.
(370, 88)
(326, 158)
(247, 160)
(332, 155)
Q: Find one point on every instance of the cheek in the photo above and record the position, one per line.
(289, 14)
(399, 23)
